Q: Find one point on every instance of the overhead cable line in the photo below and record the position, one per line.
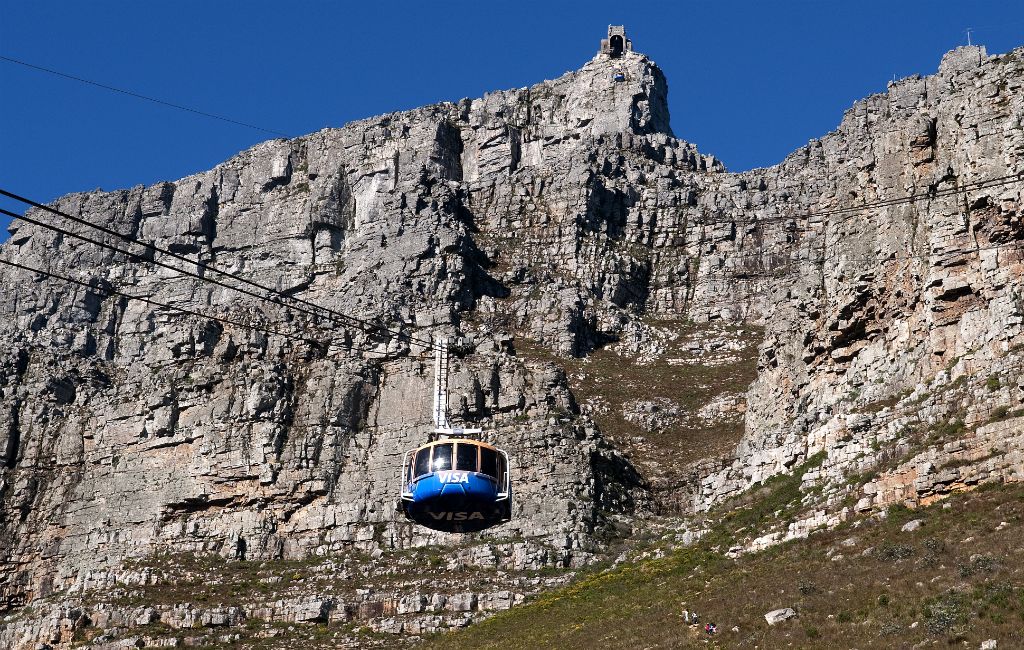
(379, 329)
(837, 255)
(114, 292)
(891, 257)
(371, 329)
(136, 95)
(366, 326)
(767, 274)
(987, 183)
(982, 184)
(143, 258)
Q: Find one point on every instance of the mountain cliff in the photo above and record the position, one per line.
(874, 277)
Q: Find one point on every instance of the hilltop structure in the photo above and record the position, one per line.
(616, 44)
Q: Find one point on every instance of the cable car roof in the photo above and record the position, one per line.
(464, 441)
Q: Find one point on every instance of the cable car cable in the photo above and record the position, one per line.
(110, 291)
(987, 183)
(374, 328)
(344, 318)
(836, 255)
(173, 268)
(142, 258)
(963, 189)
(131, 93)
(358, 323)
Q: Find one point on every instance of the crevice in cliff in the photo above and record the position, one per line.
(208, 222)
(616, 485)
(332, 214)
(193, 505)
(448, 150)
(607, 209)
(13, 436)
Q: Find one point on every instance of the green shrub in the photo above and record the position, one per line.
(999, 594)
(948, 429)
(977, 564)
(892, 552)
(999, 413)
(946, 613)
(933, 548)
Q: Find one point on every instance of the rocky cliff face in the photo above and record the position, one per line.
(889, 323)
(539, 224)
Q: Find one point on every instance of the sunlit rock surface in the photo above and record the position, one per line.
(559, 217)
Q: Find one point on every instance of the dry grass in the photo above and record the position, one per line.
(615, 381)
(956, 580)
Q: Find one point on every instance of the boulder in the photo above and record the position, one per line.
(778, 615)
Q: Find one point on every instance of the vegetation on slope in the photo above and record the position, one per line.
(868, 584)
(695, 364)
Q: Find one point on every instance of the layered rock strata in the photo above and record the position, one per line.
(560, 215)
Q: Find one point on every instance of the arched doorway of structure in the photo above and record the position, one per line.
(615, 45)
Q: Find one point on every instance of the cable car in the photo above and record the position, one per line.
(457, 485)
(454, 483)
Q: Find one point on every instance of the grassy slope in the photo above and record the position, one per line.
(959, 577)
(616, 381)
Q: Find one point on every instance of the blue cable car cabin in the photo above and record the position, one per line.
(456, 485)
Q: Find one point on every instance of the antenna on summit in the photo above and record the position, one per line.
(969, 30)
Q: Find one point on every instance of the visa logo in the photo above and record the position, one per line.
(456, 516)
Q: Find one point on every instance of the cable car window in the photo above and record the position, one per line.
(489, 462)
(423, 462)
(465, 457)
(442, 457)
(502, 471)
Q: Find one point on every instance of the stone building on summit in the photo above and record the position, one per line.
(616, 44)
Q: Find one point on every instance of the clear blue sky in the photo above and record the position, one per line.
(749, 81)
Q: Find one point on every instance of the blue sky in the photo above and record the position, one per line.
(749, 81)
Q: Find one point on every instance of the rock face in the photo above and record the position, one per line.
(559, 215)
(892, 320)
